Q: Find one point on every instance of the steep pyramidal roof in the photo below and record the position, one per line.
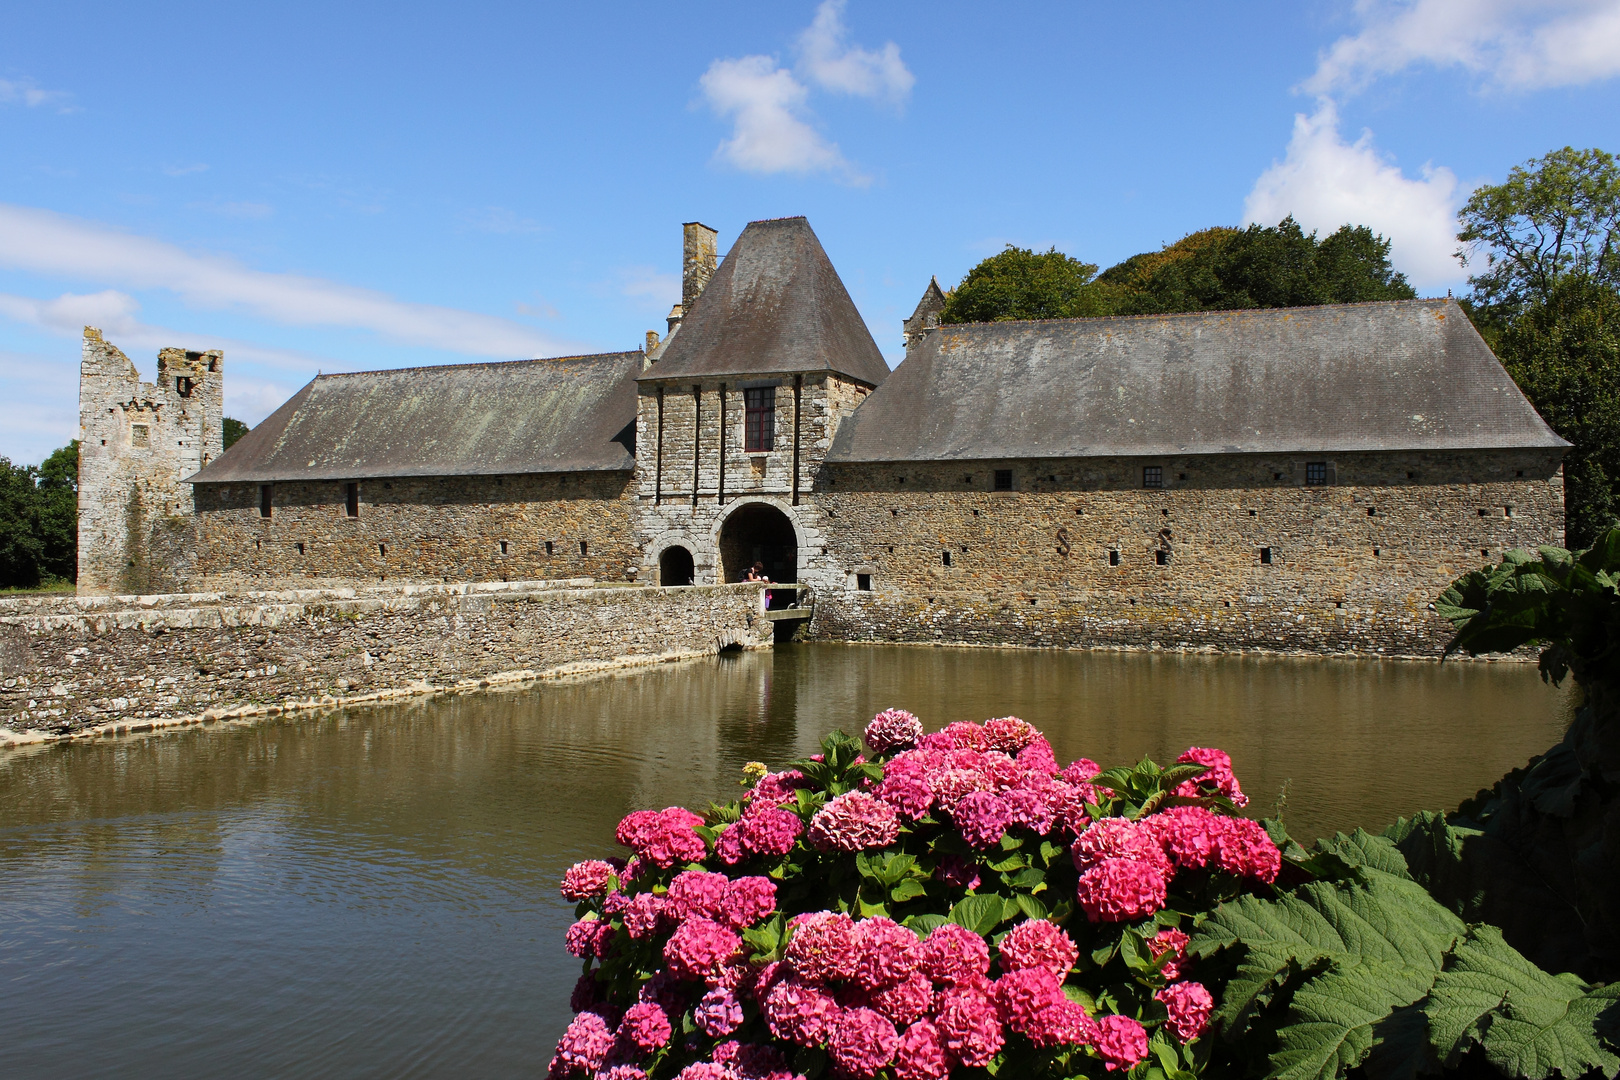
(1403, 375)
(775, 306)
(572, 414)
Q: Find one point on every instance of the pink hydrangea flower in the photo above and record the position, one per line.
(799, 1012)
(719, 1013)
(888, 953)
(1068, 804)
(644, 914)
(905, 1001)
(1219, 776)
(1036, 943)
(1120, 1041)
(584, 1046)
(970, 1027)
(1000, 771)
(587, 992)
(1021, 995)
(697, 894)
(1119, 838)
(952, 954)
(1081, 771)
(1063, 1023)
(621, 1072)
(908, 793)
(951, 786)
(921, 1054)
(586, 879)
(704, 1070)
(861, 1043)
(698, 946)
(966, 736)
(636, 827)
(665, 991)
(893, 729)
(1188, 834)
(588, 938)
(728, 846)
(824, 947)
(1120, 890)
(665, 837)
(1029, 809)
(1243, 848)
(981, 818)
(747, 900)
(776, 788)
(854, 821)
(1008, 734)
(1037, 756)
(760, 1061)
(1174, 942)
(768, 831)
(1189, 1005)
(645, 1027)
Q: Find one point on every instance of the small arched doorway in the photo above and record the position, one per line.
(675, 566)
(759, 532)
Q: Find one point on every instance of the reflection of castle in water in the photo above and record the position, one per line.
(1297, 478)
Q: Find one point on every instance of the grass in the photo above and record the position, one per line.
(44, 588)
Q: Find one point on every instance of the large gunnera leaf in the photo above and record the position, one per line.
(1528, 1023)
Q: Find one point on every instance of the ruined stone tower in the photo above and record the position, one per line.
(139, 440)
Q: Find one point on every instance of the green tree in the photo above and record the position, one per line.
(1548, 301)
(57, 492)
(20, 544)
(233, 429)
(1021, 284)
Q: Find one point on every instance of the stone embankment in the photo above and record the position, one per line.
(79, 666)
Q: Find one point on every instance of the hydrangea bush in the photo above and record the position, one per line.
(932, 905)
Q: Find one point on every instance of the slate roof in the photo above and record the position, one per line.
(1403, 375)
(570, 414)
(775, 306)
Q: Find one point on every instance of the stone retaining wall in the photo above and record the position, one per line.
(105, 664)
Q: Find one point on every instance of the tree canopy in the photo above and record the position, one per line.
(39, 519)
(1214, 269)
(232, 429)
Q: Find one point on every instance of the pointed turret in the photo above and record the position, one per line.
(926, 317)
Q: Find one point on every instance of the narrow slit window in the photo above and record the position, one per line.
(300, 547)
(382, 550)
(1265, 556)
(548, 547)
(503, 547)
(945, 558)
(264, 500)
(584, 549)
(1162, 557)
(1003, 479)
(759, 419)
(1113, 557)
(1153, 476)
(863, 582)
(351, 500)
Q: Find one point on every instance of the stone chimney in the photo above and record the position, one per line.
(698, 259)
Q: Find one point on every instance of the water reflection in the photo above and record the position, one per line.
(372, 892)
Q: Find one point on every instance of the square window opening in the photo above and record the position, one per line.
(1265, 556)
(1153, 476)
(863, 582)
(1161, 557)
(1004, 480)
(1315, 473)
(759, 419)
(1507, 511)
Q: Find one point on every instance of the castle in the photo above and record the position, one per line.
(1304, 478)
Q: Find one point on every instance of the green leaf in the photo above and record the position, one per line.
(923, 925)
(1331, 1019)
(1079, 994)
(1030, 906)
(981, 914)
(1529, 1023)
(909, 889)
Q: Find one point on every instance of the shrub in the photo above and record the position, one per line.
(952, 902)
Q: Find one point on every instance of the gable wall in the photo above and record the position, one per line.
(1031, 566)
(416, 530)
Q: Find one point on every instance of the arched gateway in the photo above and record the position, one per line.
(675, 566)
(759, 532)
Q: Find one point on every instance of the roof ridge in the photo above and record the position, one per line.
(1215, 311)
(479, 364)
(770, 220)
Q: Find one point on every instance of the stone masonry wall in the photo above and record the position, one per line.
(423, 529)
(666, 513)
(119, 663)
(1354, 564)
(138, 442)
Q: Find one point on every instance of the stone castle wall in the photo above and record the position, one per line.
(423, 529)
(71, 665)
(667, 512)
(138, 441)
(1353, 565)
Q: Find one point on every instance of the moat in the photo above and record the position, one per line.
(372, 892)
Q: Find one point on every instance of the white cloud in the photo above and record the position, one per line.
(850, 69)
(771, 132)
(43, 242)
(773, 129)
(1514, 44)
(27, 93)
(647, 283)
(1325, 182)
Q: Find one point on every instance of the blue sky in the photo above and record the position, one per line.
(339, 187)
